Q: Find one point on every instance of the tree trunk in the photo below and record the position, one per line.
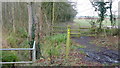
(53, 13)
(13, 18)
(1, 22)
(30, 23)
(111, 15)
(52, 17)
(41, 21)
(39, 30)
(37, 37)
(34, 28)
(48, 25)
(30, 20)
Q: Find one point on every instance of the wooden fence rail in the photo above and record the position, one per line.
(70, 33)
(33, 54)
(59, 29)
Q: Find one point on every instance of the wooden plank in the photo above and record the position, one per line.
(17, 49)
(59, 27)
(84, 28)
(58, 33)
(75, 29)
(88, 35)
(75, 33)
(60, 30)
(16, 62)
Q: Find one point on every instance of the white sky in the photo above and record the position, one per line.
(84, 7)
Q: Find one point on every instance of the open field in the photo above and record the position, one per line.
(85, 22)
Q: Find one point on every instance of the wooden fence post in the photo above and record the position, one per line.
(68, 41)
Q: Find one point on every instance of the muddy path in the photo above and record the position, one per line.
(97, 53)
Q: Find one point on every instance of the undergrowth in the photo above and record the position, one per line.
(53, 45)
(16, 39)
(9, 56)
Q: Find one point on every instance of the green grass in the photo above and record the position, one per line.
(9, 56)
(85, 22)
(53, 45)
(77, 46)
(82, 22)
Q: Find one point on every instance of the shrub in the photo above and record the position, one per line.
(9, 56)
(12, 41)
(115, 31)
(17, 38)
(22, 33)
(112, 31)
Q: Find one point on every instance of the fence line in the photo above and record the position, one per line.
(33, 54)
(16, 49)
(70, 34)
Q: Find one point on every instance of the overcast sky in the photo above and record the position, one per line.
(84, 7)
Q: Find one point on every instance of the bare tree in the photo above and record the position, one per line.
(0, 25)
(30, 20)
(111, 15)
(30, 23)
(13, 18)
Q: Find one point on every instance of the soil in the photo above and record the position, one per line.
(110, 42)
(103, 55)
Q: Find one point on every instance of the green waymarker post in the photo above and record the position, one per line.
(68, 41)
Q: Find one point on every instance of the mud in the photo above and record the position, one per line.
(97, 53)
